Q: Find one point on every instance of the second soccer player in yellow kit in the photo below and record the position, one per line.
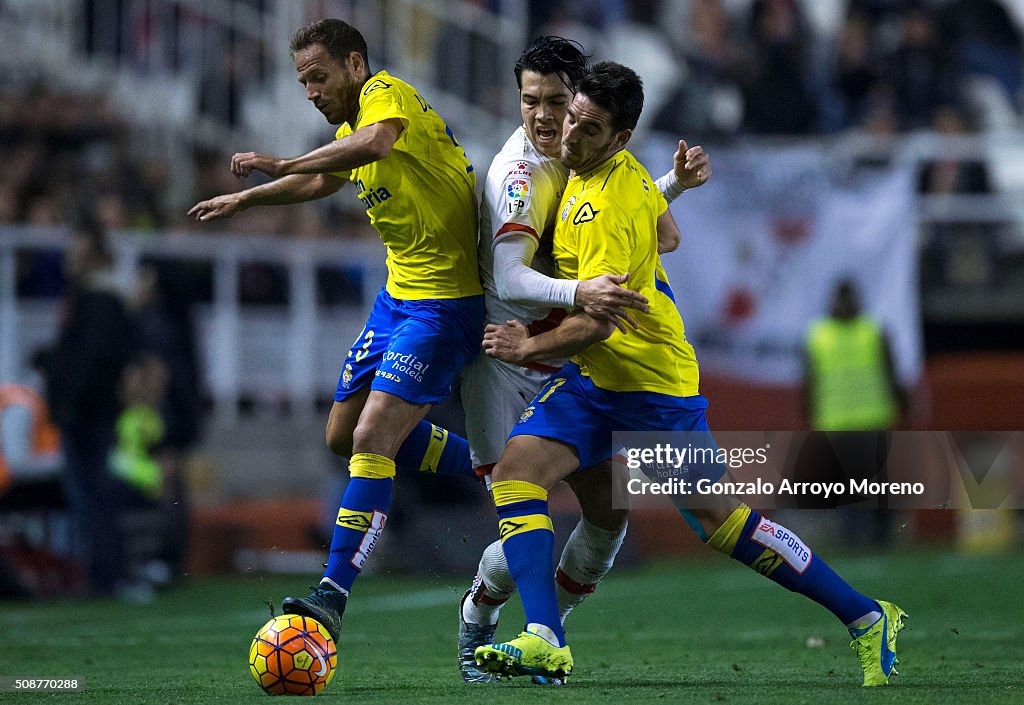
(417, 186)
(643, 380)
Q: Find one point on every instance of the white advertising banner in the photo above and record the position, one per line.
(764, 244)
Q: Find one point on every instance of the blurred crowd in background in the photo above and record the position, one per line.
(715, 70)
(765, 68)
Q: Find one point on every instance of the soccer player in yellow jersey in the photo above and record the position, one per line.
(643, 380)
(418, 189)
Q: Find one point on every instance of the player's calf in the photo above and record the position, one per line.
(779, 554)
(587, 557)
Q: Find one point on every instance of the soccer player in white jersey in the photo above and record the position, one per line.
(517, 215)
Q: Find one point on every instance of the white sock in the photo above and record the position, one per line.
(587, 557)
(864, 622)
(333, 585)
(544, 632)
(492, 586)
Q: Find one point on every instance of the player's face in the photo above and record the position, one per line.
(588, 136)
(333, 88)
(543, 100)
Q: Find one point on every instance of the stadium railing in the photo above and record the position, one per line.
(258, 352)
(290, 351)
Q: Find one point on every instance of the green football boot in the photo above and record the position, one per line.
(526, 655)
(876, 645)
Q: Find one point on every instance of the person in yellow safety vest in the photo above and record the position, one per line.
(140, 428)
(852, 399)
(850, 381)
(28, 440)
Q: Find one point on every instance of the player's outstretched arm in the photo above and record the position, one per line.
(290, 189)
(364, 146)
(512, 343)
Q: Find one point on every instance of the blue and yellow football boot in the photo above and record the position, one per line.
(526, 655)
(876, 645)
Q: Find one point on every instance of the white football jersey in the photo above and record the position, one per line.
(520, 195)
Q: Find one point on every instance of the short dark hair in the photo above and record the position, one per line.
(553, 55)
(339, 39)
(617, 89)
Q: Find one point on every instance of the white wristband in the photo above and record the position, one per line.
(670, 187)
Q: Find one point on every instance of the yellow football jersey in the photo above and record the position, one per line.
(421, 198)
(607, 224)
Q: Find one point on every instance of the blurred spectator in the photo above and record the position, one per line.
(220, 88)
(852, 396)
(29, 450)
(642, 44)
(140, 428)
(580, 21)
(850, 381)
(136, 462)
(465, 63)
(957, 253)
(951, 175)
(985, 40)
(708, 101)
(920, 73)
(29, 442)
(778, 101)
(83, 374)
(855, 75)
(166, 297)
(880, 126)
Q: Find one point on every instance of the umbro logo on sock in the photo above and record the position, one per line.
(509, 527)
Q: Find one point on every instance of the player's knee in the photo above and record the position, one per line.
(369, 437)
(494, 567)
(362, 434)
(505, 470)
(339, 443)
(340, 424)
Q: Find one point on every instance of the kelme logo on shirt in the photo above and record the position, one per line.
(374, 85)
(585, 214)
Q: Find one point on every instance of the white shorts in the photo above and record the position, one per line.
(494, 395)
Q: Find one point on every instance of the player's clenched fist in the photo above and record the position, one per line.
(220, 207)
(505, 342)
(243, 164)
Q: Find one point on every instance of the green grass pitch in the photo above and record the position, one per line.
(694, 631)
